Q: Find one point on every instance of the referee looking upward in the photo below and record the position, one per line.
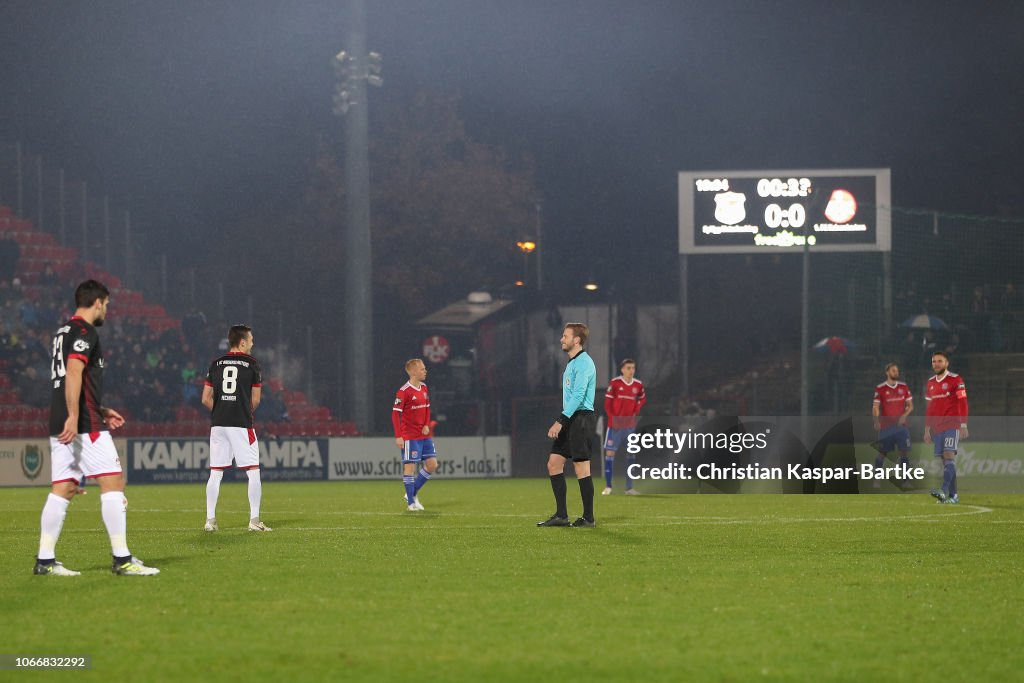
(575, 428)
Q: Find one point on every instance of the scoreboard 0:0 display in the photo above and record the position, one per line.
(775, 211)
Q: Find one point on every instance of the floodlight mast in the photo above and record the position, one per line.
(354, 67)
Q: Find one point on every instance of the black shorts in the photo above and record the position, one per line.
(576, 439)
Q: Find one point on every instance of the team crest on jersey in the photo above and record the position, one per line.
(634, 390)
(945, 386)
(80, 345)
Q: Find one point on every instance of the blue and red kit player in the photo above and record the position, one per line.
(891, 407)
(622, 403)
(946, 422)
(410, 417)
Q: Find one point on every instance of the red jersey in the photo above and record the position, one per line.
(892, 402)
(411, 412)
(623, 401)
(947, 402)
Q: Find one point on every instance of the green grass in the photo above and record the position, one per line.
(668, 588)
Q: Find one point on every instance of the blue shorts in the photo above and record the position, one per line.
(614, 438)
(419, 449)
(948, 440)
(897, 436)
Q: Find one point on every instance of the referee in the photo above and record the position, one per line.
(574, 430)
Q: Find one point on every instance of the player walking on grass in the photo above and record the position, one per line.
(232, 394)
(890, 408)
(410, 416)
(622, 403)
(80, 442)
(574, 429)
(946, 422)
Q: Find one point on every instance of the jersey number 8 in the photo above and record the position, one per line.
(229, 382)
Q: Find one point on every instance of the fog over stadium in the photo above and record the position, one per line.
(211, 120)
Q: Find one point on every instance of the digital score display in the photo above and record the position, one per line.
(777, 211)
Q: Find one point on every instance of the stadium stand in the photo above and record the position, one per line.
(155, 378)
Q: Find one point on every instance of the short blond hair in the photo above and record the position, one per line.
(409, 364)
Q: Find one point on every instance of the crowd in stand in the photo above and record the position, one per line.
(986, 318)
(149, 376)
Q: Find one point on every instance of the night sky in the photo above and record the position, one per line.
(199, 111)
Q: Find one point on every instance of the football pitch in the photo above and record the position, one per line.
(349, 586)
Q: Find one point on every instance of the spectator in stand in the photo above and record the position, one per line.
(979, 302)
(272, 408)
(10, 254)
(31, 389)
(1011, 299)
(1011, 304)
(49, 277)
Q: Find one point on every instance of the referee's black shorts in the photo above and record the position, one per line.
(576, 439)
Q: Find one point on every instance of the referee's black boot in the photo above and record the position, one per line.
(555, 520)
(583, 523)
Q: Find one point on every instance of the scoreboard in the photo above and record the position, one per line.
(757, 212)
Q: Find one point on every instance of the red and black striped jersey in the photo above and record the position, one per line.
(77, 340)
(233, 376)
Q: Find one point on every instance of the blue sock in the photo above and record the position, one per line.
(952, 485)
(422, 478)
(904, 460)
(948, 477)
(629, 479)
(410, 487)
(608, 464)
(879, 462)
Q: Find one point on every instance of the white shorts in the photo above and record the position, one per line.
(233, 442)
(93, 458)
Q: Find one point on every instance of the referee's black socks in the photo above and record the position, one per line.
(558, 488)
(587, 494)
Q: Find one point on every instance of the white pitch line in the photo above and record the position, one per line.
(673, 521)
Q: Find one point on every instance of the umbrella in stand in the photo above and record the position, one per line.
(923, 321)
(834, 345)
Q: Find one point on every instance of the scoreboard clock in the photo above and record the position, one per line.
(755, 212)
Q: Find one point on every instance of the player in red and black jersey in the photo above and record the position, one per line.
(232, 394)
(80, 443)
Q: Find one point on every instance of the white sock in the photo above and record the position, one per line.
(114, 508)
(213, 492)
(52, 521)
(255, 492)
